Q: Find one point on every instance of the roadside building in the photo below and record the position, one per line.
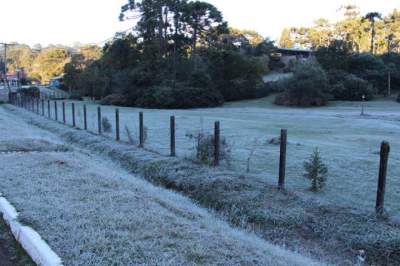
(288, 55)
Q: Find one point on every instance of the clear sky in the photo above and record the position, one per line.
(93, 21)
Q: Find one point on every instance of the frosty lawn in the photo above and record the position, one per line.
(92, 212)
(335, 232)
(349, 143)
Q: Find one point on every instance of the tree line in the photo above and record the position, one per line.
(355, 59)
(44, 63)
(183, 54)
(180, 54)
(372, 32)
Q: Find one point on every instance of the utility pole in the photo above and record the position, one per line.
(5, 65)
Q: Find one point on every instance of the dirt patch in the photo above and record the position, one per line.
(11, 253)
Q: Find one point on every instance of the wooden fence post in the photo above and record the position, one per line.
(173, 140)
(56, 110)
(141, 130)
(117, 136)
(42, 107)
(217, 135)
(63, 113)
(73, 115)
(380, 195)
(84, 117)
(99, 119)
(282, 160)
(48, 108)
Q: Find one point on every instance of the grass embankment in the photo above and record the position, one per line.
(338, 234)
(93, 212)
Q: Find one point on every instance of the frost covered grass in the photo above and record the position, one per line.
(93, 212)
(336, 232)
(348, 142)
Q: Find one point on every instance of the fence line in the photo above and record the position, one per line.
(29, 104)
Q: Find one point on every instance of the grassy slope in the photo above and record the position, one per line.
(92, 212)
(338, 222)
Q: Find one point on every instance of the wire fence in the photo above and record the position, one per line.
(168, 134)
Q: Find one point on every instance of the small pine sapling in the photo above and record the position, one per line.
(316, 171)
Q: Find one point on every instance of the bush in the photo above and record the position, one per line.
(316, 171)
(205, 148)
(369, 68)
(115, 99)
(179, 97)
(352, 88)
(107, 127)
(308, 87)
(392, 62)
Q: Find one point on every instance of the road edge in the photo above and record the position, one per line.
(40, 252)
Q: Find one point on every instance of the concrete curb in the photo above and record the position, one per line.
(29, 239)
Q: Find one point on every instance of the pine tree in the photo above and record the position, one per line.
(316, 171)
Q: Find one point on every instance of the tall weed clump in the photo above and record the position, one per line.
(107, 127)
(204, 148)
